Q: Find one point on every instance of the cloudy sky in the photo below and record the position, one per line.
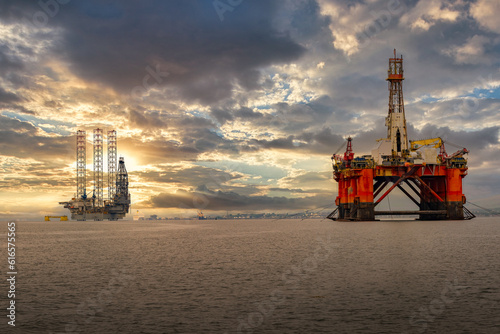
(237, 104)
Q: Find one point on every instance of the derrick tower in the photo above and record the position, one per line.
(81, 161)
(98, 168)
(122, 179)
(112, 153)
(396, 121)
(432, 181)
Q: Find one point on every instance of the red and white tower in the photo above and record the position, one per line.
(395, 121)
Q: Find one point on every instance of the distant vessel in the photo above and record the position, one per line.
(138, 216)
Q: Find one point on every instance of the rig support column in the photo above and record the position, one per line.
(355, 199)
(112, 155)
(454, 196)
(81, 161)
(98, 168)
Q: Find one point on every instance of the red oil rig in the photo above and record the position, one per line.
(432, 180)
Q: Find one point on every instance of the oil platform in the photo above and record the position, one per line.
(432, 180)
(95, 207)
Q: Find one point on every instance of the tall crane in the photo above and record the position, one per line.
(434, 142)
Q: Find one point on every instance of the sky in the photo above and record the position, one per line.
(237, 105)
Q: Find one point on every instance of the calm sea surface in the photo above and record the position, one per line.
(255, 276)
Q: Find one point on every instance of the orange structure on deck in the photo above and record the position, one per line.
(432, 181)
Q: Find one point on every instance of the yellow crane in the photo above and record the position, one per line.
(416, 144)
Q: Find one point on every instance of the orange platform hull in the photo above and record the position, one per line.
(435, 189)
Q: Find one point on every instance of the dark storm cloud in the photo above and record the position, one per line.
(8, 97)
(192, 176)
(187, 147)
(323, 141)
(43, 174)
(181, 44)
(288, 190)
(19, 183)
(244, 114)
(306, 122)
(247, 113)
(203, 198)
(222, 116)
(302, 191)
(466, 111)
(8, 60)
(297, 117)
(18, 108)
(279, 143)
(485, 184)
(146, 119)
(20, 139)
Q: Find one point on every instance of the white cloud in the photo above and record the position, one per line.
(428, 12)
(353, 25)
(486, 14)
(471, 52)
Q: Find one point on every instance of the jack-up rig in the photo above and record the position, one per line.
(433, 180)
(83, 207)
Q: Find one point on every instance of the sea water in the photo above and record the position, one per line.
(255, 276)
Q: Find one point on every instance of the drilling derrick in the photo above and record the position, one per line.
(84, 207)
(395, 121)
(98, 169)
(81, 161)
(432, 181)
(121, 200)
(112, 152)
(122, 179)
